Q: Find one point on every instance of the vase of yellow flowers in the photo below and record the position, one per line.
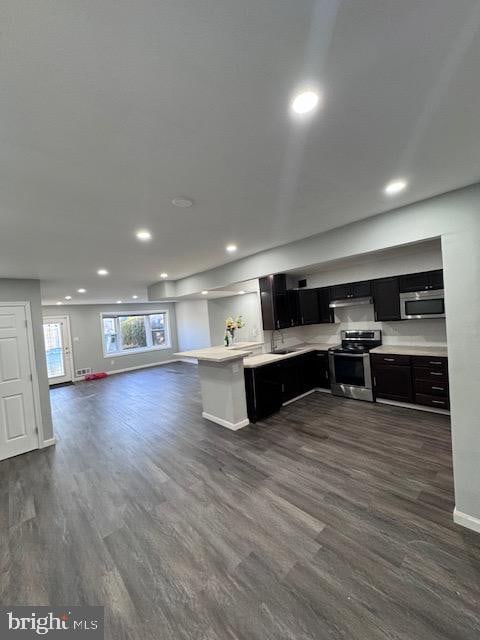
(231, 325)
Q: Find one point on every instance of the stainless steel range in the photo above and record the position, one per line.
(350, 372)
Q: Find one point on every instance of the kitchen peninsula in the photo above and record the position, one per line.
(222, 379)
(222, 382)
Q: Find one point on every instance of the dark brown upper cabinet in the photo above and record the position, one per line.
(314, 306)
(351, 290)
(309, 312)
(386, 299)
(325, 314)
(279, 306)
(294, 307)
(425, 281)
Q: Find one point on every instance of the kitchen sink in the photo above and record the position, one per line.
(283, 352)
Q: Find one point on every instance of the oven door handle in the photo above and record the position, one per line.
(349, 355)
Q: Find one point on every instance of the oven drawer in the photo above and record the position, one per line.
(432, 401)
(381, 358)
(431, 388)
(427, 373)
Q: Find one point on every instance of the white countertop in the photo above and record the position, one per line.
(222, 354)
(251, 362)
(243, 350)
(412, 350)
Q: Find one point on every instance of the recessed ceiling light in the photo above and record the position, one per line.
(305, 101)
(164, 275)
(102, 272)
(241, 293)
(143, 234)
(204, 293)
(81, 291)
(183, 203)
(394, 187)
(68, 297)
(119, 302)
(134, 297)
(59, 302)
(231, 248)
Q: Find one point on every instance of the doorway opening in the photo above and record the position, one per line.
(58, 350)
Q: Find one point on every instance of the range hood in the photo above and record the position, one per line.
(350, 302)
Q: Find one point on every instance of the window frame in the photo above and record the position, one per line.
(116, 315)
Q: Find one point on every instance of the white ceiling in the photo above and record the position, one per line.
(111, 108)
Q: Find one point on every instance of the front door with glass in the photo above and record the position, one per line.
(58, 350)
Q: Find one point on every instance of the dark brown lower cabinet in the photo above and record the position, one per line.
(414, 379)
(268, 387)
(263, 388)
(291, 375)
(393, 381)
(430, 380)
(314, 371)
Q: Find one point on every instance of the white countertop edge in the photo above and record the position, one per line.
(228, 357)
(252, 362)
(412, 350)
(221, 354)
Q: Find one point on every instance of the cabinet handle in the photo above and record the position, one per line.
(439, 388)
(438, 402)
(302, 319)
(389, 359)
(436, 373)
(434, 362)
(278, 324)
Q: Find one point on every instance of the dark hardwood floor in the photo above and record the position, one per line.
(332, 519)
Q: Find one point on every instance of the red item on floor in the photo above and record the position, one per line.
(96, 376)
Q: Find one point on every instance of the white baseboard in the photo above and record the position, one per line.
(464, 520)
(48, 443)
(188, 360)
(140, 366)
(409, 405)
(225, 423)
(302, 395)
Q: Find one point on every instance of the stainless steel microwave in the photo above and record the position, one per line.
(419, 305)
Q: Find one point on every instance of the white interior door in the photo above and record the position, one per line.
(58, 349)
(18, 432)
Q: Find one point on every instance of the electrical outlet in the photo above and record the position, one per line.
(112, 361)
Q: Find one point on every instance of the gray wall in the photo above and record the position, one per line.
(29, 290)
(88, 350)
(193, 330)
(247, 306)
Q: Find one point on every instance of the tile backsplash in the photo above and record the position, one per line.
(408, 332)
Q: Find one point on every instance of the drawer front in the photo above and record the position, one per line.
(426, 373)
(432, 401)
(380, 358)
(430, 362)
(431, 388)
